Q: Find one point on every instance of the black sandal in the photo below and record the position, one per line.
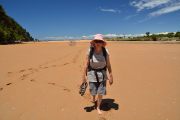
(83, 88)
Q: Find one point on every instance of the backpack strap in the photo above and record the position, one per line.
(96, 70)
(90, 57)
(105, 56)
(91, 54)
(104, 53)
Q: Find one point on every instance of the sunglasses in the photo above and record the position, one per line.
(99, 41)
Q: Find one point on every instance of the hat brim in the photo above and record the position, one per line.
(104, 44)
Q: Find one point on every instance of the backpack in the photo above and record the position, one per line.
(91, 54)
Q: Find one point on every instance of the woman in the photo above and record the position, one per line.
(95, 69)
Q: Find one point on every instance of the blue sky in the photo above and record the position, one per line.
(68, 19)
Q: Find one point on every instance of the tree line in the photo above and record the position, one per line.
(171, 36)
(11, 31)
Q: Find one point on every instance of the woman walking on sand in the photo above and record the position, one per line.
(95, 70)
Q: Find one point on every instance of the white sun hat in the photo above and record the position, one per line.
(98, 37)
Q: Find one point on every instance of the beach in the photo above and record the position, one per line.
(40, 81)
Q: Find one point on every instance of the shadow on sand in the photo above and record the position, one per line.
(106, 105)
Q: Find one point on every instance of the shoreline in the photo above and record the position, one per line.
(131, 42)
(87, 41)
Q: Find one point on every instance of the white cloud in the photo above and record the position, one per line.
(110, 10)
(90, 37)
(130, 16)
(148, 4)
(160, 7)
(111, 35)
(161, 33)
(165, 10)
(87, 37)
(60, 38)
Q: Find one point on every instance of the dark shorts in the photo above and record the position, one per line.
(97, 88)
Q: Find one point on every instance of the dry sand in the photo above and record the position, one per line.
(40, 81)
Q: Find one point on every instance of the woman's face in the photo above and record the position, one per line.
(98, 43)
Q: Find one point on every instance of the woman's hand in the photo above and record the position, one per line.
(111, 80)
(110, 71)
(84, 76)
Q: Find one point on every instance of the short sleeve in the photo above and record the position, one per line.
(88, 51)
(107, 51)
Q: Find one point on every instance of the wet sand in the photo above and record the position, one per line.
(40, 81)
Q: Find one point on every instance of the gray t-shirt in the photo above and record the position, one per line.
(98, 63)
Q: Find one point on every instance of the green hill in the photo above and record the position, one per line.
(10, 30)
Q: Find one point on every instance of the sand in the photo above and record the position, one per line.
(40, 81)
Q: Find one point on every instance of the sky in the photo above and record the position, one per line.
(75, 19)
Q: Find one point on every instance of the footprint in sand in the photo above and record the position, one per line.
(9, 72)
(24, 76)
(1, 89)
(30, 68)
(32, 80)
(65, 89)
(68, 90)
(45, 67)
(52, 83)
(8, 83)
(22, 70)
(102, 118)
(33, 69)
(65, 63)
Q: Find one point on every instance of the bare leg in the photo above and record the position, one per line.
(99, 103)
(93, 99)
